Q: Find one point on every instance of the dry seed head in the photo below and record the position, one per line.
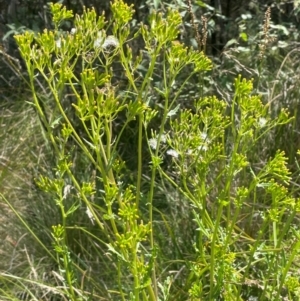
(198, 38)
(204, 31)
(267, 39)
(267, 20)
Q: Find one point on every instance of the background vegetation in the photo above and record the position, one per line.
(224, 220)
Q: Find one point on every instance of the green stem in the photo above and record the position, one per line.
(287, 268)
(140, 160)
(135, 273)
(213, 254)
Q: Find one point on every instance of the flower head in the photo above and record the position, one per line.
(262, 122)
(153, 143)
(107, 42)
(58, 43)
(110, 41)
(172, 153)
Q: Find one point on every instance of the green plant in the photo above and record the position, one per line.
(212, 156)
(55, 55)
(204, 154)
